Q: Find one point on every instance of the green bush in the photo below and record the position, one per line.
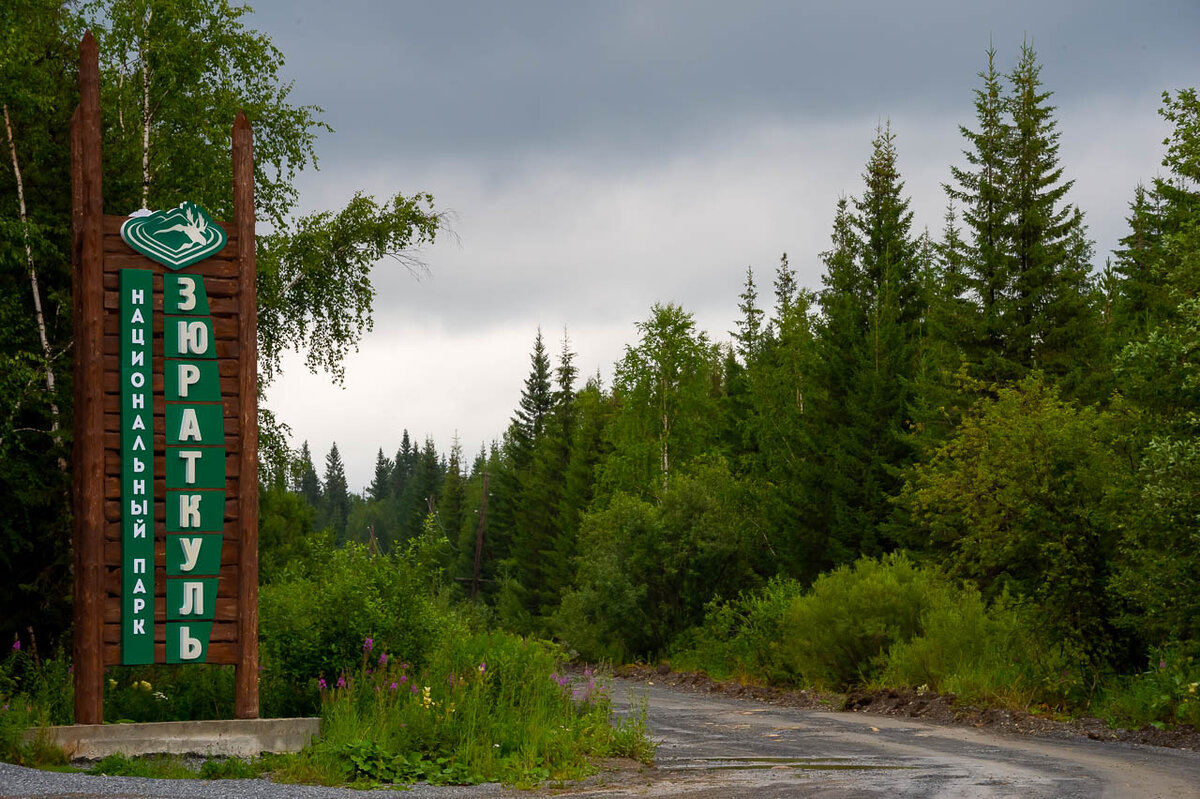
(192, 692)
(33, 693)
(1167, 692)
(740, 639)
(839, 633)
(989, 656)
(314, 619)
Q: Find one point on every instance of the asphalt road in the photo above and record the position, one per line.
(740, 749)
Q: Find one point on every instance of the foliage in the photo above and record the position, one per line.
(646, 570)
(489, 707)
(740, 638)
(168, 693)
(314, 618)
(1016, 500)
(1167, 692)
(987, 655)
(839, 633)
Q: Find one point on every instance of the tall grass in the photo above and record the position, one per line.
(490, 707)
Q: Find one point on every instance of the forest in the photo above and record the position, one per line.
(968, 460)
(979, 407)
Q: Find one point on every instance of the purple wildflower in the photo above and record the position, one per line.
(321, 683)
(368, 644)
(392, 687)
(383, 658)
(483, 667)
(17, 645)
(341, 683)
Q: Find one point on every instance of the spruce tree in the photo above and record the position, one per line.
(982, 191)
(872, 312)
(335, 508)
(1050, 322)
(308, 485)
(381, 485)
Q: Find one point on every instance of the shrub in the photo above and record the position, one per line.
(990, 656)
(1167, 692)
(740, 638)
(191, 692)
(313, 620)
(839, 633)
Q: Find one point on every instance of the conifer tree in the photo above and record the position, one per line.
(308, 485)
(872, 311)
(981, 190)
(335, 508)
(451, 509)
(1050, 322)
(381, 485)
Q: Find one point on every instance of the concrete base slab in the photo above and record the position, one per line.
(233, 738)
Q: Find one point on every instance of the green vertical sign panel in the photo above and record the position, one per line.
(195, 511)
(188, 337)
(137, 466)
(193, 555)
(184, 294)
(187, 641)
(191, 381)
(195, 467)
(191, 598)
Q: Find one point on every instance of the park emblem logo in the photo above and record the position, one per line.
(177, 238)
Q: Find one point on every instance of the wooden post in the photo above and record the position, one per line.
(246, 696)
(88, 453)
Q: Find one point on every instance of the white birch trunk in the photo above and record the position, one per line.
(33, 282)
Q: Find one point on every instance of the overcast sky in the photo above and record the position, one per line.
(598, 157)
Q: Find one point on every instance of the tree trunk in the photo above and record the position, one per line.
(33, 281)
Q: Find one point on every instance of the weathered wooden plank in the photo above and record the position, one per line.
(221, 653)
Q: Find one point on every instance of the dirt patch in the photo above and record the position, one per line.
(939, 708)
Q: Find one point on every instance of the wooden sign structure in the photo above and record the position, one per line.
(121, 296)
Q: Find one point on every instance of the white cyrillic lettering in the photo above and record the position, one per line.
(187, 293)
(137, 335)
(138, 424)
(191, 553)
(139, 466)
(193, 599)
(140, 587)
(137, 379)
(139, 529)
(139, 565)
(139, 626)
(137, 317)
(139, 487)
(139, 605)
(138, 443)
(189, 375)
(189, 648)
(189, 510)
(137, 358)
(193, 338)
(139, 508)
(139, 402)
(189, 426)
(189, 467)
(137, 296)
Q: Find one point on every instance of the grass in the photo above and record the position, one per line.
(495, 708)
